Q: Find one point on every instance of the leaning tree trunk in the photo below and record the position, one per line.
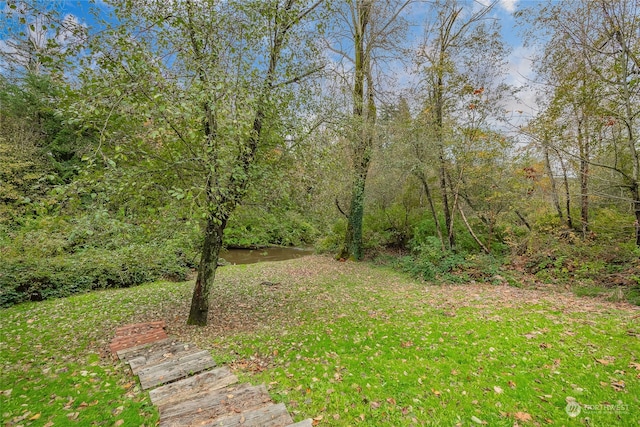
(220, 207)
(427, 191)
(207, 270)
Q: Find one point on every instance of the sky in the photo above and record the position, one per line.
(519, 62)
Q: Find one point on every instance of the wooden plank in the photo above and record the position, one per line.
(140, 350)
(208, 407)
(160, 355)
(192, 387)
(175, 369)
(273, 415)
(120, 343)
(304, 423)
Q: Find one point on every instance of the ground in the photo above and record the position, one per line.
(345, 344)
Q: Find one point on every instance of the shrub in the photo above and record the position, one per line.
(36, 279)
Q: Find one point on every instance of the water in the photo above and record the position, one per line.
(251, 256)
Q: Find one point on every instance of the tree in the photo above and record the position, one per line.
(449, 35)
(597, 85)
(40, 39)
(203, 89)
(374, 28)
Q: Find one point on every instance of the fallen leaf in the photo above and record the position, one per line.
(48, 424)
(118, 423)
(618, 385)
(478, 420)
(35, 417)
(606, 361)
(523, 416)
(497, 389)
(635, 365)
(375, 405)
(512, 384)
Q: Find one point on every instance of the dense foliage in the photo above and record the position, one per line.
(103, 166)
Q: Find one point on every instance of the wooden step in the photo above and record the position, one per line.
(140, 350)
(210, 406)
(161, 355)
(272, 415)
(137, 328)
(192, 387)
(175, 369)
(120, 343)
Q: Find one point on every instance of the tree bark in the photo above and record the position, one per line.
(583, 143)
(427, 191)
(364, 113)
(214, 231)
(554, 190)
(466, 223)
(221, 204)
(567, 194)
(441, 157)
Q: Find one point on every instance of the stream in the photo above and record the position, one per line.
(252, 256)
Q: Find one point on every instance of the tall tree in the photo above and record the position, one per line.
(448, 33)
(600, 75)
(373, 27)
(204, 88)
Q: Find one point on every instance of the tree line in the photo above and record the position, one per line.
(212, 123)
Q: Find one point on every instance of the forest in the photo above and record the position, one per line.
(138, 139)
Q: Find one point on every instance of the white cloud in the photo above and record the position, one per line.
(509, 5)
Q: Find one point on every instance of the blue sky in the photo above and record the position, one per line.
(519, 65)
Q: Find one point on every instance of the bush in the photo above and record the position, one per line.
(49, 257)
(249, 228)
(36, 279)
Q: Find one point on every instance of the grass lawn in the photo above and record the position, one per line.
(343, 343)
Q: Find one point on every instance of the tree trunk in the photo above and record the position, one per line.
(554, 190)
(353, 239)
(364, 113)
(466, 223)
(425, 186)
(207, 270)
(583, 144)
(567, 194)
(441, 157)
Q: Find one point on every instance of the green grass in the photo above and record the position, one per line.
(346, 344)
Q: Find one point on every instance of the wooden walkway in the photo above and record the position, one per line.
(188, 388)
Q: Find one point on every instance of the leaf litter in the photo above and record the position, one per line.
(276, 333)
